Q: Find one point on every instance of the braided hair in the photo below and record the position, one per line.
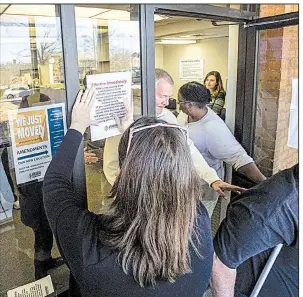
(196, 93)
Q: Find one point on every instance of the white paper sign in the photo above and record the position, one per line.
(191, 69)
(36, 134)
(293, 136)
(113, 95)
(39, 288)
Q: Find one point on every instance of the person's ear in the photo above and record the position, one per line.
(118, 171)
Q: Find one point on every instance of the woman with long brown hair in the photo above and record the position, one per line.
(213, 82)
(155, 238)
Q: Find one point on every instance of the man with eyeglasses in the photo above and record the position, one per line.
(164, 90)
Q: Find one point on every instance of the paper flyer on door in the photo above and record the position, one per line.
(36, 133)
(40, 288)
(113, 96)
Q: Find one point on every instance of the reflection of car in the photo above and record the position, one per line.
(17, 91)
(136, 74)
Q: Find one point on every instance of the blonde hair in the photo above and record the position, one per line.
(161, 74)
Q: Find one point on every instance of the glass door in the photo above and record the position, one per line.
(108, 42)
(32, 126)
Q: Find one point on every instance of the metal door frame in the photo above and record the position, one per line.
(247, 74)
(202, 11)
(247, 54)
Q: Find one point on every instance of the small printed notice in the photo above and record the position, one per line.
(36, 134)
(39, 288)
(113, 97)
(191, 69)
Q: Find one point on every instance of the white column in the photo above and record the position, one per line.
(230, 99)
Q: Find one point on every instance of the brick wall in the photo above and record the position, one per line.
(267, 10)
(285, 156)
(278, 64)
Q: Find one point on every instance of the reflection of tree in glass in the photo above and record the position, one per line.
(123, 44)
(86, 52)
(87, 45)
(45, 49)
(121, 60)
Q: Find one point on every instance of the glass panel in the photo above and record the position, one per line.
(267, 10)
(276, 100)
(108, 41)
(32, 78)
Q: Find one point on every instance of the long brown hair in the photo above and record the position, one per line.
(152, 221)
(219, 83)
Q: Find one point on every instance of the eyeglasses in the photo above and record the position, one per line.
(182, 102)
(133, 130)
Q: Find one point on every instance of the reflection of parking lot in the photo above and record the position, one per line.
(17, 91)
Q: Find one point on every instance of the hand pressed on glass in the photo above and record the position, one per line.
(82, 110)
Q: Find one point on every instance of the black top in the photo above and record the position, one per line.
(94, 266)
(258, 220)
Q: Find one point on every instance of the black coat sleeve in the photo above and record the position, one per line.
(68, 220)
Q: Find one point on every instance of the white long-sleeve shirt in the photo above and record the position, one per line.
(215, 142)
(111, 156)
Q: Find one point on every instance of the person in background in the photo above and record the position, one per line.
(155, 238)
(5, 163)
(257, 221)
(214, 83)
(164, 91)
(212, 138)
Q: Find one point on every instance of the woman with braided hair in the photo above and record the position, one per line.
(212, 138)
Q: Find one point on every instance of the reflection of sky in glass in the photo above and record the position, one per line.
(86, 39)
(124, 35)
(15, 36)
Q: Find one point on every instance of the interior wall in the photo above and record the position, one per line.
(159, 55)
(213, 51)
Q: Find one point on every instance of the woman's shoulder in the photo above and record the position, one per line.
(221, 94)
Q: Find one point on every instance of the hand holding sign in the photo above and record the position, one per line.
(113, 97)
(125, 122)
(81, 118)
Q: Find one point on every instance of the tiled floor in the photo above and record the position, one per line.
(16, 257)
(16, 240)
